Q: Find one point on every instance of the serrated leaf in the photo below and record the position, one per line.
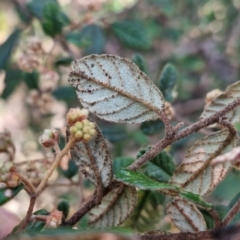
(160, 168)
(52, 19)
(186, 216)
(14, 192)
(196, 174)
(7, 47)
(231, 93)
(115, 89)
(116, 206)
(121, 162)
(132, 34)
(140, 62)
(167, 81)
(147, 213)
(93, 158)
(93, 35)
(142, 182)
(152, 127)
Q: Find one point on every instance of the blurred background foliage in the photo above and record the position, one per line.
(186, 47)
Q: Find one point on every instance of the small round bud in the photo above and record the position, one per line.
(169, 110)
(49, 138)
(76, 114)
(78, 125)
(73, 129)
(78, 135)
(92, 132)
(86, 129)
(86, 137)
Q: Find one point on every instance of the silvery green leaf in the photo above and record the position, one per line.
(93, 158)
(186, 216)
(231, 93)
(195, 173)
(115, 207)
(115, 89)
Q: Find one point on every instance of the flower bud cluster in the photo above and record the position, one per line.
(54, 219)
(8, 176)
(30, 58)
(41, 102)
(48, 80)
(169, 110)
(49, 138)
(80, 127)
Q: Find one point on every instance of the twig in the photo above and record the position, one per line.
(215, 217)
(182, 134)
(233, 211)
(26, 220)
(53, 166)
(28, 184)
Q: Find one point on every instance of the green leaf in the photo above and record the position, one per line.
(36, 7)
(121, 162)
(140, 181)
(139, 60)
(114, 134)
(208, 218)
(167, 81)
(7, 47)
(71, 171)
(63, 61)
(160, 168)
(37, 226)
(94, 37)
(152, 127)
(15, 191)
(52, 19)
(65, 93)
(146, 214)
(12, 81)
(63, 206)
(31, 79)
(132, 34)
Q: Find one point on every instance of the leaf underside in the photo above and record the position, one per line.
(195, 174)
(231, 93)
(115, 207)
(186, 216)
(115, 90)
(93, 158)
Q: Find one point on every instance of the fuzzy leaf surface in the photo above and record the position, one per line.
(147, 213)
(196, 174)
(142, 182)
(186, 216)
(93, 158)
(115, 90)
(231, 93)
(115, 207)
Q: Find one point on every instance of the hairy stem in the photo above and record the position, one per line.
(233, 211)
(56, 162)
